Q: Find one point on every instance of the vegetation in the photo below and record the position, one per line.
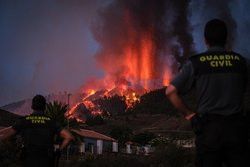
(144, 137)
(10, 153)
(112, 106)
(154, 102)
(166, 155)
(57, 111)
(160, 141)
(122, 134)
(94, 120)
(171, 155)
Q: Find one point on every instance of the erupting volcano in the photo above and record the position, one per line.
(139, 49)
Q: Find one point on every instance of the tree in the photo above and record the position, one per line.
(160, 141)
(112, 106)
(144, 137)
(154, 102)
(94, 120)
(57, 111)
(122, 134)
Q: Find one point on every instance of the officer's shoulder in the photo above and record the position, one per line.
(195, 56)
(238, 54)
(21, 120)
(243, 59)
(25, 117)
(28, 116)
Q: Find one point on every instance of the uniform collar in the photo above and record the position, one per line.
(216, 48)
(35, 112)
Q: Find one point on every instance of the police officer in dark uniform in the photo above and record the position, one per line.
(38, 132)
(219, 78)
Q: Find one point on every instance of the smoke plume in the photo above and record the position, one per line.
(141, 38)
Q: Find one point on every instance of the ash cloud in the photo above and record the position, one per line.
(167, 19)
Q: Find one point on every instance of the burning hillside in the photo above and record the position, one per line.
(140, 49)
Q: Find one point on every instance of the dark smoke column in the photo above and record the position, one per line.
(142, 38)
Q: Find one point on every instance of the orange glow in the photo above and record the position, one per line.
(70, 113)
(140, 60)
(92, 92)
(146, 55)
(92, 107)
(137, 59)
(166, 77)
(88, 104)
(131, 98)
(79, 120)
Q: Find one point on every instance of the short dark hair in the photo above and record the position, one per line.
(216, 32)
(38, 103)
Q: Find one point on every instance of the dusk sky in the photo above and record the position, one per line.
(47, 46)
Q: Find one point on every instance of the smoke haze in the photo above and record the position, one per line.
(126, 27)
(50, 45)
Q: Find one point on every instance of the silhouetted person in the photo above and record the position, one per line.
(38, 131)
(219, 78)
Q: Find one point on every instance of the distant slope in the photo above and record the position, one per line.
(8, 118)
(13, 106)
(20, 108)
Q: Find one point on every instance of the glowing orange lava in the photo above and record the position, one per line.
(138, 56)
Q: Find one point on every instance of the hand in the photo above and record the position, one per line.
(197, 124)
(190, 116)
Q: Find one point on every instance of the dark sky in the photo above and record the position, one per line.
(203, 10)
(47, 46)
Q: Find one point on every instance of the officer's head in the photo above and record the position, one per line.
(215, 33)
(38, 103)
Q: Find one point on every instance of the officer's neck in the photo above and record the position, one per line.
(215, 48)
(38, 112)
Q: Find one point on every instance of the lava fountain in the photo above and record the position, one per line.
(138, 49)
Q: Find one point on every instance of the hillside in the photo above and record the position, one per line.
(8, 118)
(159, 124)
(154, 113)
(13, 106)
(20, 108)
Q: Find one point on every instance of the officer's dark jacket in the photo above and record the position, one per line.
(37, 131)
(219, 78)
